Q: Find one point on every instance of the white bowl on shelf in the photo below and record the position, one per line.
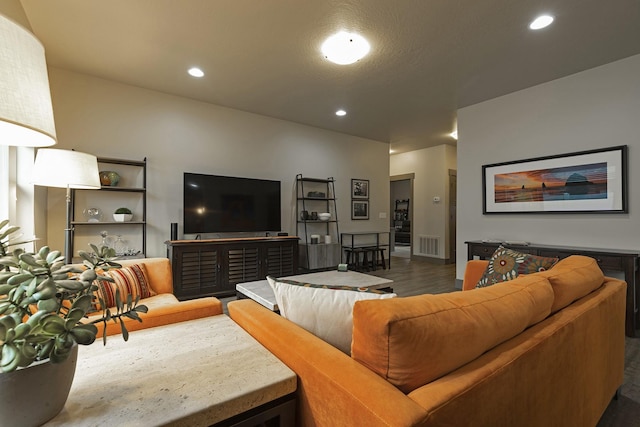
(122, 217)
(324, 216)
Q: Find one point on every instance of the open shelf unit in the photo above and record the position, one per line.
(130, 192)
(402, 223)
(315, 195)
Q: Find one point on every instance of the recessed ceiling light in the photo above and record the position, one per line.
(345, 48)
(541, 22)
(195, 72)
(341, 113)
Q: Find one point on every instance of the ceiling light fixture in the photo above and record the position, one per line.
(541, 21)
(341, 113)
(196, 72)
(345, 48)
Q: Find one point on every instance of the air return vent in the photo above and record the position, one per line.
(429, 245)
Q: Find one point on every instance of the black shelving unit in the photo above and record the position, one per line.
(317, 195)
(107, 223)
(402, 223)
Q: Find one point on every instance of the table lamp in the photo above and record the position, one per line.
(66, 169)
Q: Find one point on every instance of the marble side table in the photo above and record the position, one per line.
(195, 373)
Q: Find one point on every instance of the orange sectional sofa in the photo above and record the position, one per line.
(543, 349)
(164, 307)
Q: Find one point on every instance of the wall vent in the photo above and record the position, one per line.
(429, 245)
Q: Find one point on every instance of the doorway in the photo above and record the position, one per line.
(401, 208)
(453, 190)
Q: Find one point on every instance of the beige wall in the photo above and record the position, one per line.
(593, 109)
(181, 135)
(12, 9)
(431, 168)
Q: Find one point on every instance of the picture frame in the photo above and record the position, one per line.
(359, 188)
(593, 181)
(359, 209)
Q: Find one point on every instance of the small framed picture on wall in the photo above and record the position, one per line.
(359, 209)
(359, 188)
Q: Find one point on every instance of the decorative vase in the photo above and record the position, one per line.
(120, 246)
(93, 214)
(109, 178)
(33, 395)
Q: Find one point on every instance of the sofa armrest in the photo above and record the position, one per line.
(473, 272)
(333, 389)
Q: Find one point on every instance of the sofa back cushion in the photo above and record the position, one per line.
(158, 272)
(413, 341)
(572, 278)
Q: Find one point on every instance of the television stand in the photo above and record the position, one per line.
(212, 267)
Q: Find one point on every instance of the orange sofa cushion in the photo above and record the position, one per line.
(158, 272)
(572, 278)
(413, 341)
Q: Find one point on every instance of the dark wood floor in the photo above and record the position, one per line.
(416, 277)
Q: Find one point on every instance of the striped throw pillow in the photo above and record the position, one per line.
(132, 280)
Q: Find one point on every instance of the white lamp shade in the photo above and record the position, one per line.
(66, 168)
(26, 113)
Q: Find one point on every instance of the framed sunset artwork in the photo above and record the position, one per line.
(581, 182)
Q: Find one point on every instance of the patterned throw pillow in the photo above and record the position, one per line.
(131, 280)
(324, 310)
(507, 264)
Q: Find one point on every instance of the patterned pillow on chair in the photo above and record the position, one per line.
(507, 264)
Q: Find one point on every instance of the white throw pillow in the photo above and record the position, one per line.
(325, 311)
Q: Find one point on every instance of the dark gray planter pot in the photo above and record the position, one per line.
(31, 396)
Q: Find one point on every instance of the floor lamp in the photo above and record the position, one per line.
(66, 169)
(26, 114)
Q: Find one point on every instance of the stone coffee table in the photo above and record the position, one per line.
(261, 292)
(194, 373)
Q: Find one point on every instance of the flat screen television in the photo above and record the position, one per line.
(224, 204)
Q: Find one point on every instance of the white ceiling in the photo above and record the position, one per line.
(428, 57)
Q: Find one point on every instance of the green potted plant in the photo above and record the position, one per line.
(43, 316)
(122, 215)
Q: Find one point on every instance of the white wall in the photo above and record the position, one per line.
(431, 168)
(181, 135)
(593, 109)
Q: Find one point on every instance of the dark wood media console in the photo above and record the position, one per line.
(608, 259)
(213, 267)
